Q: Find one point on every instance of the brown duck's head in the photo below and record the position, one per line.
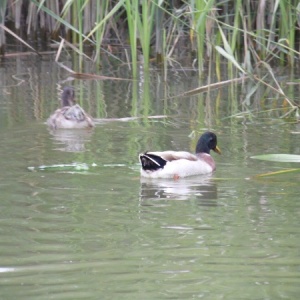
(68, 97)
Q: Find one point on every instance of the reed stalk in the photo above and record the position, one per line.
(2, 32)
(101, 11)
(199, 12)
(145, 26)
(159, 33)
(253, 30)
(132, 11)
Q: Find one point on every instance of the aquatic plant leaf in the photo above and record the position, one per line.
(17, 37)
(63, 167)
(59, 19)
(277, 172)
(211, 86)
(225, 42)
(106, 18)
(230, 58)
(278, 157)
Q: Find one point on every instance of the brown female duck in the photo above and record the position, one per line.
(70, 115)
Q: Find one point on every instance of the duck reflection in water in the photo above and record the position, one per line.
(197, 187)
(71, 140)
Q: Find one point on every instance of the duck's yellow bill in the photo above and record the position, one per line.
(217, 150)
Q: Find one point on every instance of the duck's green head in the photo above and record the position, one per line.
(207, 142)
(67, 96)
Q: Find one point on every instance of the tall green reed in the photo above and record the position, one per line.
(140, 24)
(2, 19)
(132, 11)
(200, 10)
(253, 30)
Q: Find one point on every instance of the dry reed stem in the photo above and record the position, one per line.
(216, 85)
(18, 38)
(86, 76)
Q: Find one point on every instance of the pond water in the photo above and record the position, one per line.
(77, 222)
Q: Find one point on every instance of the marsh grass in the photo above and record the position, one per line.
(160, 34)
(270, 27)
(2, 22)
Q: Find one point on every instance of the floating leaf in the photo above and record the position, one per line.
(278, 157)
(277, 172)
(62, 167)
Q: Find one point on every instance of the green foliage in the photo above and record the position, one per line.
(2, 19)
(242, 32)
(279, 157)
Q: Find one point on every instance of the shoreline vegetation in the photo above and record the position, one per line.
(250, 37)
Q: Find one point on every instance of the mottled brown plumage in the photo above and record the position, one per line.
(70, 115)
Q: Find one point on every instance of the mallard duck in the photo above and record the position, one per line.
(70, 115)
(177, 164)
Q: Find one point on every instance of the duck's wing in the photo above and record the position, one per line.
(152, 161)
(75, 113)
(70, 117)
(174, 155)
(52, 120)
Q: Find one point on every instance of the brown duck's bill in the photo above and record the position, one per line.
(217, 150)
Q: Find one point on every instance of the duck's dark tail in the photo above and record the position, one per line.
(152, 162)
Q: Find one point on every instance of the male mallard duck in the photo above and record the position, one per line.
(70, 115)
(176, 164)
